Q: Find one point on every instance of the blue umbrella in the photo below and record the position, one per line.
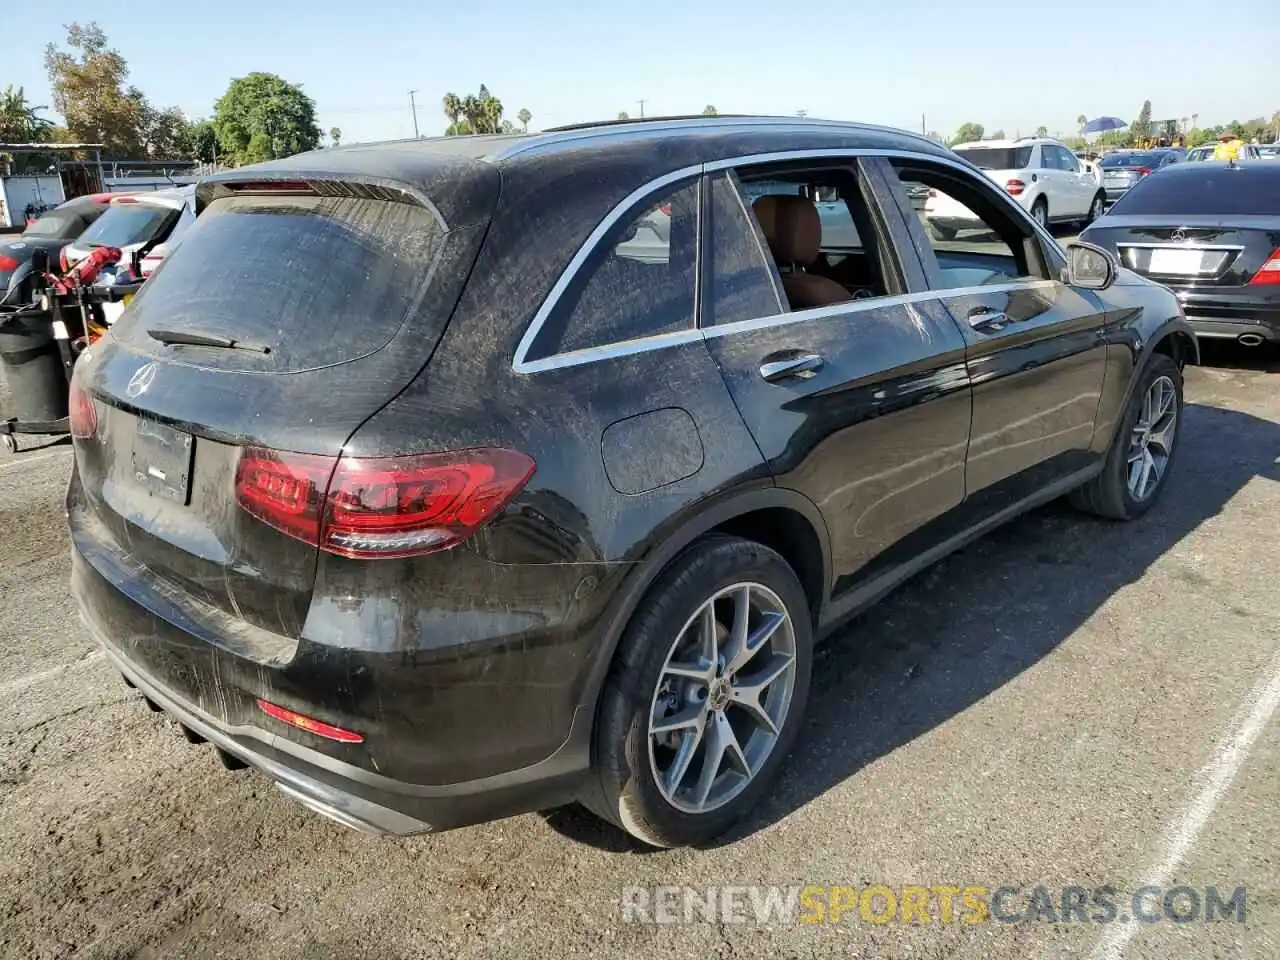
(1103, 124)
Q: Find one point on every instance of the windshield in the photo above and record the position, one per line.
(1215, 190)
(125, 224)
(997, 158)
(1131, 160)
(319, 280)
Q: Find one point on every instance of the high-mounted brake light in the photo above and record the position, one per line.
(269, 186)
(318, 727)
(1015, 187)
(1269, 273)
(380, 507)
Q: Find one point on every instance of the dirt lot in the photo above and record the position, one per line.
(1068, 702)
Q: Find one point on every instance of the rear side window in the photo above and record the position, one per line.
(1222, 191)
(838, 229)
(56, 225)
(318, 280)
(637, 282)
(741, 284)
(126, 223)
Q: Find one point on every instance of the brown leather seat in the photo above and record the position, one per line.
(794, 231)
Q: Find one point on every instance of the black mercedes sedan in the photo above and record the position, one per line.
(537, 468)
(1211, 232)
(52, 231)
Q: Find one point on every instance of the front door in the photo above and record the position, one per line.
(861, 404)
(1035, 350)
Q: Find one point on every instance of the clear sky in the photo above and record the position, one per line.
(1011, 65)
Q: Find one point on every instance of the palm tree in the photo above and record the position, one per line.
(524, 116)
(19, 121)
(335, 135)
(709, 111)
(623, 115)
(1080, 122)
(452, 104)
(491, 111)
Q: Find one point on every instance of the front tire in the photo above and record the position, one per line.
(1142, 451)
(706, 694)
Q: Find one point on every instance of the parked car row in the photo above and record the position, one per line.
(535, 470)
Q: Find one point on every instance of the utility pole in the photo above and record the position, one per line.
(922, 126)
(413, 108)
(641, 102)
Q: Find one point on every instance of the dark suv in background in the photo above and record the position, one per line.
(532, 470)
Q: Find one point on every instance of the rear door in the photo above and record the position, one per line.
(1035, 349)
(861, 405)
(1078, 185)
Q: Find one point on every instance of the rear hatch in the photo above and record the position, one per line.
(1005, 166)
(289, 314)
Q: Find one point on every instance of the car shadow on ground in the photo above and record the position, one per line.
(978, 619)
(1264, 358)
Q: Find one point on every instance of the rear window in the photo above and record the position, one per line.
(1242, 191)
(125, 224)
(56, 226)
(318, 280)
(997, 158)
(1131, 160)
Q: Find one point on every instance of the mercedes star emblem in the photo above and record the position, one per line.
(141, 381)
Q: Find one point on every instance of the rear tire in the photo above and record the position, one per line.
(1097, 208)
(1123, 491)
(943, 233)
(1040, 212)
(675, 698)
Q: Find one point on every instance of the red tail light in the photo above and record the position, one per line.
(8, 263)
(384, 506)
(318, 727)
(1269, 273)
(933, 194)
(1143, 171)
(82, 413)
(1015, 187)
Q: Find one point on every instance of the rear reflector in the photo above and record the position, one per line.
(319, 728)
(8, 264)
(1269, 273)
(380, 507)
(82, 413)
(1015, 187)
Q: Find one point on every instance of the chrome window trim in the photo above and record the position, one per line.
(1182, 246)
(660, 341)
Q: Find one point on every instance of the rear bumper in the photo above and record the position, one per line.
(1228, 316)
(224, 714)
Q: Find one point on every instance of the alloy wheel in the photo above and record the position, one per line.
(1151, 441)
(723, 697)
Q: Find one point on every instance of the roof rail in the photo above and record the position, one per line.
(589, 124)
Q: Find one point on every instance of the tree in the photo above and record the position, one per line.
(968, 133)
(261, 117)
(89, 91)
(20, 122)
(1081, 122)
(1042, 131)
(473, 114)
(709, 111)
(335, 135)
(164, 134)
(452, 105)
(1142, 126)
(623, 115)
(524, 116)
(201, 142)
(998, 135)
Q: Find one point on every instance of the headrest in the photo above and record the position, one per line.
(792, 227)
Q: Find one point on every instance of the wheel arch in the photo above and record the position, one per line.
(782, 519)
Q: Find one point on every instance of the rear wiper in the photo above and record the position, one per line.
(188, 339)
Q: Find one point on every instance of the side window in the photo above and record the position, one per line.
(1047, 160)
(740, 280)
(637, 282)
(973, 240)
(819, 234)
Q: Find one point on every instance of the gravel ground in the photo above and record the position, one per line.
(1067, 702)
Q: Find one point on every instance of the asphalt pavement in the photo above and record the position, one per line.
(1068, 703)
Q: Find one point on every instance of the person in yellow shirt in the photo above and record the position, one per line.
(1229, 147)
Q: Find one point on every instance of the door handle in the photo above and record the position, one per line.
(802, 366)
(980, 318)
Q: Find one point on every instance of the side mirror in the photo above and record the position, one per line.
(1090, 267)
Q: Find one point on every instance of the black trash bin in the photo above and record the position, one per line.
(31, 365)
